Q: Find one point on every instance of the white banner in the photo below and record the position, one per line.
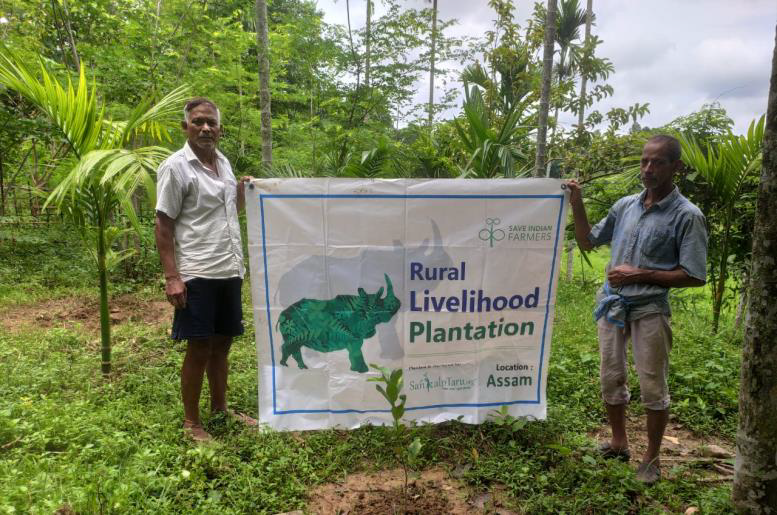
(453, 281)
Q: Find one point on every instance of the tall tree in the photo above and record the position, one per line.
(547, 72)
(589, 14)
(367, 38)
(263, 55)
(431, 62)
(570, 19)
(755, 480)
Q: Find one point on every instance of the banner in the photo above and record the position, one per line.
(453, 281)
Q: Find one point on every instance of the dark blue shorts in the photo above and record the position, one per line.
(213, 307)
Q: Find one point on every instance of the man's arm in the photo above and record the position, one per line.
(164, 232)
(622, 275)
(582, 226)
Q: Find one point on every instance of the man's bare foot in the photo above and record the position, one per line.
(196, 432)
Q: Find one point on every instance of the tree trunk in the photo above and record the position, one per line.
(70, 37)
(720, 289)
(547, 70)
(431, 62)
(755, 480)
(105, 318)
(263, 55)
(742, 304)
(561, 61)
(368, 28)
(589, 14)
(581, 111)
(2, 186)
(570, 259)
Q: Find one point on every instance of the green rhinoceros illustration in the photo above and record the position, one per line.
(331, 325)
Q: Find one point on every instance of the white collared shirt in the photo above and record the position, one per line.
(203, 205)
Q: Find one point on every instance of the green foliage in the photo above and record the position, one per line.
(118, 445)
(726, 167)
(494, 151)
(105, 175)
(707, 125)
(393, 381)
(392, 393)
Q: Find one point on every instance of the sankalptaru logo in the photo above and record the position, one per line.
(441, 383)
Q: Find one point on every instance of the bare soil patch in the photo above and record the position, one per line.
(680, 447)
(84, 312)
(432, 492)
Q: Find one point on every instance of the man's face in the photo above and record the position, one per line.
(203, 129)
(656, 169)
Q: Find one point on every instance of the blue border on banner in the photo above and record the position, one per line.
(263, 196)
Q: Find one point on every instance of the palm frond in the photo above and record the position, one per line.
(73, 110)
(725, 166)
(155, 119)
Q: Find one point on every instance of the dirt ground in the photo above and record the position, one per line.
(433, 492)
(84, 312)
(437, 491)
(680, 447)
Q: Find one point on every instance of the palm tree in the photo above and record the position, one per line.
(547, 71)
(725, 168)
(263, 55)
(589, 14)
(431, 62)
(106, 172)
(570, 19)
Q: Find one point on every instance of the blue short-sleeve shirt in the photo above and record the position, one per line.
(671, 233)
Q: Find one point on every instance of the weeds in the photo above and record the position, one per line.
(67, 438)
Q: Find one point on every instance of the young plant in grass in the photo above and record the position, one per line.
(406, 454)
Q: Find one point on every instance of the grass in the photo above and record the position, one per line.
(70, 439)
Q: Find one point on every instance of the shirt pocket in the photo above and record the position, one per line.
(659, 245)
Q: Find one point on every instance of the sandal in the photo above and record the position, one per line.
(242, 417)
(648, 473)
(196, 432)
(607, 451)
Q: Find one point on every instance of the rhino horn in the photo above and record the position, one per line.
(389, 287)
(437, 245)
(379, 293)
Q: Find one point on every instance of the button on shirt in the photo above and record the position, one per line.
(203, 205)
(669, 234)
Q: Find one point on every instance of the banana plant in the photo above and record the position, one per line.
(725, 167)
(107, 170)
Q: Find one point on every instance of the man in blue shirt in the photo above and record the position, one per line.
(658, 241)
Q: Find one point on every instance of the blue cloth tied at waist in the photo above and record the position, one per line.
(615, 307)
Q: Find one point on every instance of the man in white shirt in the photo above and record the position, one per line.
(198, 239)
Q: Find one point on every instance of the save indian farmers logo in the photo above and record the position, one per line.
(514, 232)
(490, 234)
(342, 323)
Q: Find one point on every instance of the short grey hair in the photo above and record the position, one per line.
(674, 150)
(194, 102)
